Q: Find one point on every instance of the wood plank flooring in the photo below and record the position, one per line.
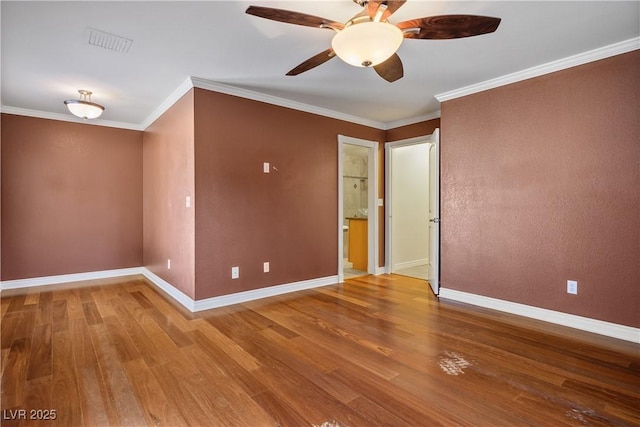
(374, 351)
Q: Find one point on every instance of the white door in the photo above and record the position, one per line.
(434, 213)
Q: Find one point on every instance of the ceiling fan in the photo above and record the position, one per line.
(370, 40)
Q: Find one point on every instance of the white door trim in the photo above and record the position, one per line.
(434, 223)
(372, 202)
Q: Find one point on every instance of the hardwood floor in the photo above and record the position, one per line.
(373, 351)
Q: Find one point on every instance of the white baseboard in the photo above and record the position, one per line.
(614, 330)
(410, 264)
(170, 290)
(270, 291)
(601, 327)
(68, 278)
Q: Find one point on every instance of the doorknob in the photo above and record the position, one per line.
(436, 220)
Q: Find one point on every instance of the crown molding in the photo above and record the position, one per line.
(413, 120)
(191, 82)
(167, 103)
(67, 118)
(282, 102)
(540, 70)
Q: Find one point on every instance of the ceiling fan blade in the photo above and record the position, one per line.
(449, 26)
(313, 62)
(291, 17)
(392, 6)
(391, 69)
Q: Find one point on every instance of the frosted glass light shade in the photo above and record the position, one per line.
(367, 44)
(83, 107)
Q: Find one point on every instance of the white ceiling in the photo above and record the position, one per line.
(46, 58)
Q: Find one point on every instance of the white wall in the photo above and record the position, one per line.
(410, 205)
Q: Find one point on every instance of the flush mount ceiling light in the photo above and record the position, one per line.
(83, 107)
(368, 43)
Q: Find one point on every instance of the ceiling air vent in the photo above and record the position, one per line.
(109, 41)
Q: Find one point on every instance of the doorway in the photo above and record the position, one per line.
(412, 226)
(357, 207)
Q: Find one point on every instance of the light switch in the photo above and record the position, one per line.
(187, 202)
(265, 167)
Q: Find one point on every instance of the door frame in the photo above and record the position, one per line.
(425, 139)
(372, 203)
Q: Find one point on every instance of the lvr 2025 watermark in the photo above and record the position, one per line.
(30, 414)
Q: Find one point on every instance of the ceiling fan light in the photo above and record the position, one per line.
(367, 44)
(83, 107)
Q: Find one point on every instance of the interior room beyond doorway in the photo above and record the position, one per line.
(355, 195)
(410, 210)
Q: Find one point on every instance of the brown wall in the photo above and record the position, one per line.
(169, 226)
(71, 198)
(245, 217)
(540, 184)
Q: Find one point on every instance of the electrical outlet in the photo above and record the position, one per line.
(265, 167)
(187, 201)
(235, 272)
(265, 267)
(572, 287)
